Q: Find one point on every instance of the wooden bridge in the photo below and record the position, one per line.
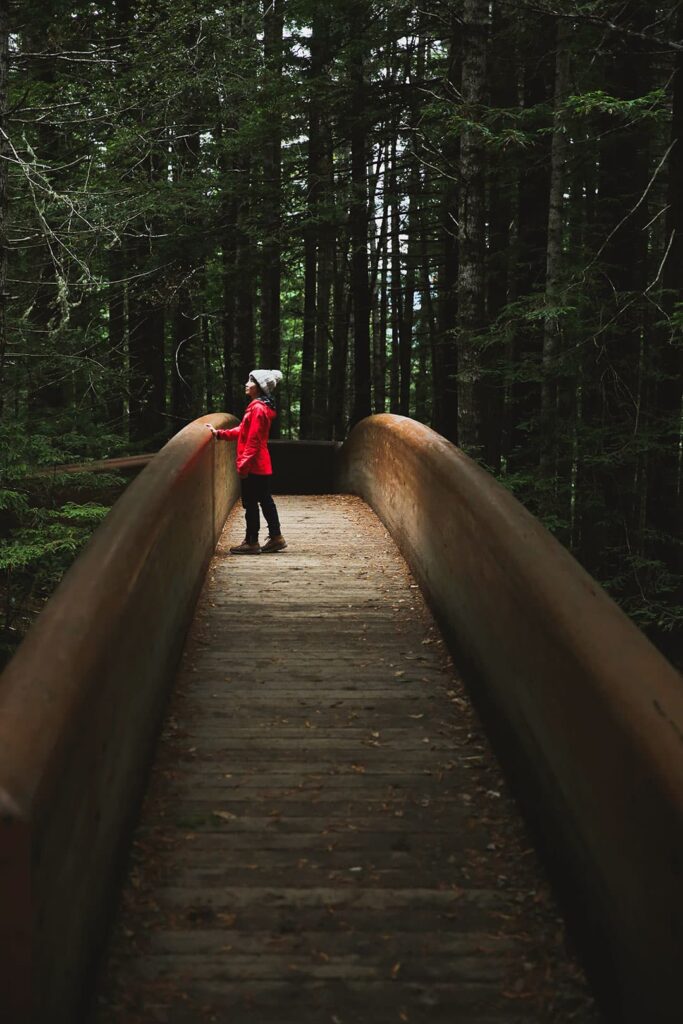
(327, 834)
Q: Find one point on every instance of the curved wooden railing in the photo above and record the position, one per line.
(591, 714)
(80, 705)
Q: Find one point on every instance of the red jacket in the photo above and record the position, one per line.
(252, 439)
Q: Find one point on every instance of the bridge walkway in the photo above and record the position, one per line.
(327, 837)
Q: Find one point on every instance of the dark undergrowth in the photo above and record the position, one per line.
(46, 518)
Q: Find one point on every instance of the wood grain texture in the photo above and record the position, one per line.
(327, 837)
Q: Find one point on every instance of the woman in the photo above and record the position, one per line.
(253, 462)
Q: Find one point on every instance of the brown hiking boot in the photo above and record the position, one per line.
(274, 544)
(246, 548)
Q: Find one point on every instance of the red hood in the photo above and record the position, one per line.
(269, 408)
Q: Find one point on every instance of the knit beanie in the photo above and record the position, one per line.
(267, 380)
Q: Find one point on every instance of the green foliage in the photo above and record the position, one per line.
(649, 591)
(43, 524)
(13, 502)
(89, 514)
(46, 551)
(650, 106)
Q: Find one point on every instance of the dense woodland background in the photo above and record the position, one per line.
(465, 211)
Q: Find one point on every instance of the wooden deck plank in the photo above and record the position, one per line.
(327, 836)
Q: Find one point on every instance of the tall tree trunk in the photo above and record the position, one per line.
(471, 265)
(501, 185)
(230, 272)
(310, 275)
(147, 371)
(186, 402)
(273, 27)
(383, 326)
(445, 352)
(316, 178)
(552, 332)
(117, 338)
(413, 223)
(537, 73)
(186, 338)
(396, 292)
(245, 339)
(358, 222)
(429, 342)
(408, 319)
(146, 337)
(4, 204)
(323, 333)
(340, 340)
(207, 346)
(229, 311)
(379, 313)
(243, 165)
(322, 338)
(421, 377)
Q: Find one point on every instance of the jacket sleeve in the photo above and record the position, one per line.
(228, 435)
(255, 441)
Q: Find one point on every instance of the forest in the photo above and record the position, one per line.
(469, 212)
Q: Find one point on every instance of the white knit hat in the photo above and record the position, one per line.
(267, 380)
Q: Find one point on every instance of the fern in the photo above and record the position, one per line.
(88, 514)
(13, 501)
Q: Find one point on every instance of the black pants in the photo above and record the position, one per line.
(255, 492)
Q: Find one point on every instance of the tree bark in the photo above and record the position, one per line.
(340, 340)
(207, 347)
(184, 405)
(524, 399)
(322, 337)
(146, 337)
(358, 223)
(552, 331)
(245, 263)
(273, 27)
(408, 319)
(379, 313)
(323, 333)
(4, 204)
(229, 311)
(115, 356)
(396, 291)
(429, 342)
(445, 352)
(310, 278)
(471, 263)
(501, 182)
(315, 178)
(186, 401)
(147, 402)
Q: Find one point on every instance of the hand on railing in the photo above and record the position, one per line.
(212, 429)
